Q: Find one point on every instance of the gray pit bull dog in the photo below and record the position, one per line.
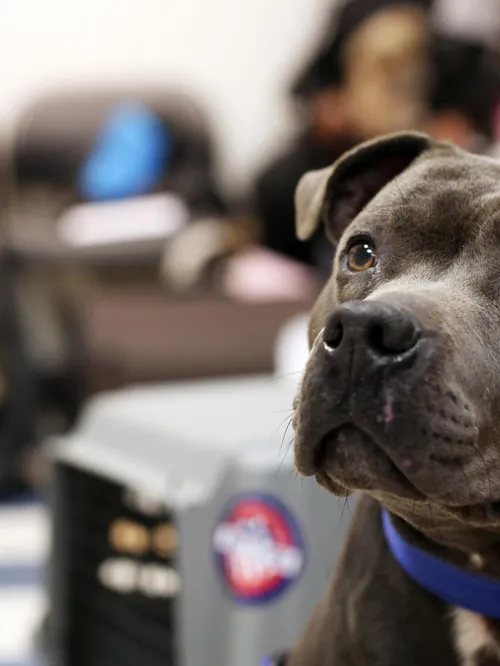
(400, 398)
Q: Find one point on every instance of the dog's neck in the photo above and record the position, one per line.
(454, 585)
(436, 531)
(468, 582)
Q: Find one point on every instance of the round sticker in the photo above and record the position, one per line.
(259, 548)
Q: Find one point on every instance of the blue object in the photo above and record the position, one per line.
(475, 592)
(267, 661)
(130, 156)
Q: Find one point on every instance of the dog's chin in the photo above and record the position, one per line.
(349, 460)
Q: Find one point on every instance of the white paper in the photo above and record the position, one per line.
(21, 611)
(24, 535)
(153, 217)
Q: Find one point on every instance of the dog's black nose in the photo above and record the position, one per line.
(383, 330)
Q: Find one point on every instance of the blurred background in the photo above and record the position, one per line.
(153, 300)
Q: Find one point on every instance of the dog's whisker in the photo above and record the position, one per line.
(284, 436)
(283, 457)
(487, 471)
(348, 506)
(431, 516)
(280, 425)
(343, 509)
(462, 469)
(289, 374)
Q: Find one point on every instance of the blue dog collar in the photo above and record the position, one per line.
(475, 592)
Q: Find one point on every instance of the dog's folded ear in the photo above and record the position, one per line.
(337, 194)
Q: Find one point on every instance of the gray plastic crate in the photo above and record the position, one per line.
(182, 534)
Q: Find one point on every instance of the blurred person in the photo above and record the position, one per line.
(372, 57)
(381, 67)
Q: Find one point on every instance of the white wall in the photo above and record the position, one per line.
(238, 54)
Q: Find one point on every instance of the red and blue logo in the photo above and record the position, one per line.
(259, 548)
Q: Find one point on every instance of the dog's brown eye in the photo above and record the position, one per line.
(361, 257)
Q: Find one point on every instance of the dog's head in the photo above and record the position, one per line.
(401, 394)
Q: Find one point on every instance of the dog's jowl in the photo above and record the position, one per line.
(401, 400)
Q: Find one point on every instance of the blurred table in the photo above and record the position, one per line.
(142, 335)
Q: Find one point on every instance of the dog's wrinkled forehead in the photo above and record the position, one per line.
(406, 185)
(435, 210)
